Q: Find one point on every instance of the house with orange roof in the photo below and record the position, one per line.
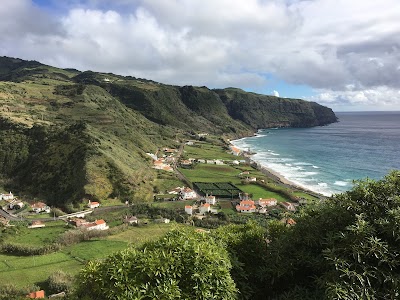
(39, 207)
(97, 225)
(189, 209)
(36, 295)
(246, 206)
(205, 208)
(235, 151)
(93, 204)
(267, 202)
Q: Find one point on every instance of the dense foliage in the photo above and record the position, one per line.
(182, 265)
(344, 248)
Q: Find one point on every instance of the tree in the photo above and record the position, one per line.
(183, 265)
(344, 248)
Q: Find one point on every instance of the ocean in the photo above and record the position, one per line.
(327, 159)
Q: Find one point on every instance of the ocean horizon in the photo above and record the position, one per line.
(326, 159)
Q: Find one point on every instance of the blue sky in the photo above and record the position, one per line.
(343, 54)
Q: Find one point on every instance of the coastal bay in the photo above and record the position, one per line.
(326, 159)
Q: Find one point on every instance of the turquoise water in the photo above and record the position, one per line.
(326, 159)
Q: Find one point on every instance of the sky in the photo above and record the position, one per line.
(340, 53)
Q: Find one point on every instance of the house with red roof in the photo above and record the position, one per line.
(205, 208)
(97, 225)
(36, 295)
(38, 207)
(93, 204)
(189, 209)
(246, 206)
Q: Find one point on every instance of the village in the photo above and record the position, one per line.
(200, 184)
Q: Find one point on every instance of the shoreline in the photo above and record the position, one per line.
(275, 175)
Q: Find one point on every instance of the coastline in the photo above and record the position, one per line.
(273, 174)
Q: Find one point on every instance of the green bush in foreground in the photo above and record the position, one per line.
(183, 265)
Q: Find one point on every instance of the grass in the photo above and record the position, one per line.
(38, 236)
(141, 234)
(172, 204)
(226, 173)
(26, 270)
(259, 192)
(94, 249)
(39, 216)
(212, 173)
(207, 151)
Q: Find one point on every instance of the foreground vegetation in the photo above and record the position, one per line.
(344, 248)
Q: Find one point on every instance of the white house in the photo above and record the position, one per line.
(267, 202)
(15, 204)
(40, 207)
(9, 196)
(251, 179)
(189, 209)
(97, 225)
(188, 193)
(204, 208)
(93, 204)
(288, 206)
(218, 162)
(131, 220)
(235, 162)
(210, 200)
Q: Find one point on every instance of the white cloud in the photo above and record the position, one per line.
(328, 45)
(276, 94)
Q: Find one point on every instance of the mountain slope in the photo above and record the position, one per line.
(68, 135)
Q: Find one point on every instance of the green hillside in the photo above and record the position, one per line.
(68, 135)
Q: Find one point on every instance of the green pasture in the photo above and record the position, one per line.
(137, 235)
(260, 192)
(207, 151)
(38, 236)
(173, 204)
(27, 270)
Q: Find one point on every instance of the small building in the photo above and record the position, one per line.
(188, 193)
(77, 222)
(8, 196)
(287, 205)
(36, 295)
(201, 161)
(97, 225)
(210, 200)
(235, 151)
(189, 209)
(93, 204)
(251, 179)
(176, 191)
(218, 162)
(133, 220)
(15, 204)
(39, 207)
(246, 206)
(37, 224)
(205, 208)
(235, 162)
(267, 202)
